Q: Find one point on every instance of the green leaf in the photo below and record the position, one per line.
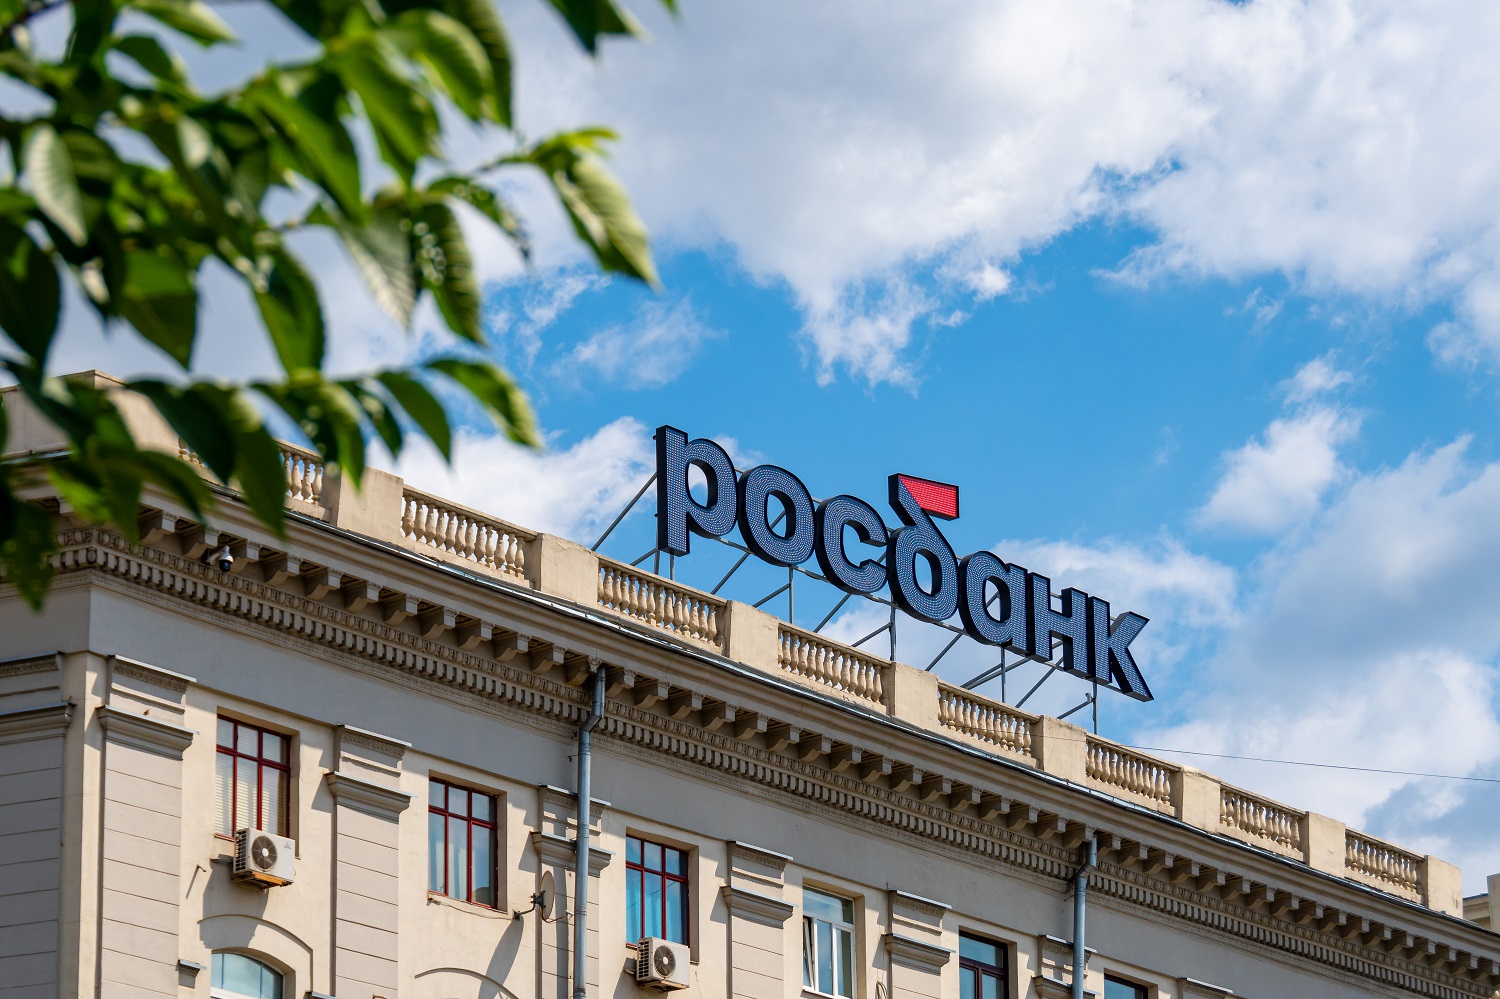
(30, 293)
(195, 414)
(422, 406)
(154, 57)
(591, 18)
(160, 299)
(483, 22)
(455, 57)
(488, 204)
(596, 203)
(381, 250)
(494, 390)
(447, 269)
(403, 119)
(316, 135)
(372, 401)
(292, 314)
(53, 183)
(257, 460)
(193, 18)
(27, 541)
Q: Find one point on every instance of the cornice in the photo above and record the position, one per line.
(48, 662)
(915, 953)
(1051, 988)
(142, 732)
(756, 907)
(25, 724)
(561, 851)
(1191, 988)
(177, 683)
(758, 855)
(1030, 847)
(365, 796)
(348, 735)
(916, 903)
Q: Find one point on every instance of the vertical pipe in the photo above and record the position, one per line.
(1080, 892)
(581, 862)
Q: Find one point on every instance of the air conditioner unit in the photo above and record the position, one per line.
(263, 859)
(662, 964)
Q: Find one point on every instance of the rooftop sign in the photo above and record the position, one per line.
(1000, 604)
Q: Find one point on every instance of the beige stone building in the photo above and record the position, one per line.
(397, 690)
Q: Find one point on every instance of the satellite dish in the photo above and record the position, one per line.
(546, 896)
(544, 899)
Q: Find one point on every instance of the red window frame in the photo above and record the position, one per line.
(667, 878)
(492, 829)
(261, 762)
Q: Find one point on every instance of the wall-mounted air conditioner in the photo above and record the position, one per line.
(263, 859)
(662, 964)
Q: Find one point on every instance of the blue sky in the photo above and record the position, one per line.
(1198, 302)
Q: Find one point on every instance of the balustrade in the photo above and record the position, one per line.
(660, 603)
(1123, 770)
(831, 664)
(988, 721)
(492, 544)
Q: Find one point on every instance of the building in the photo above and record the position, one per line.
(398, 689)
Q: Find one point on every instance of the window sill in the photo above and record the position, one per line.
(473, 908)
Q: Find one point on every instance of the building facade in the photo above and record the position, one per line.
(397, 689)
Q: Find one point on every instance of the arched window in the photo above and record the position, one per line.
(236, 976)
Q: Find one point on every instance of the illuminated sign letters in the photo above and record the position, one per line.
(999, 604)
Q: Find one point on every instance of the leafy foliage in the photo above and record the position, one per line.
(129, 188)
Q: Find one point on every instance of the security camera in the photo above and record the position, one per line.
(221, 557)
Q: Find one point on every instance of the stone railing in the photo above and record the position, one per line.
(430, 522)
(304, 474)
(990, 722)
(1120, 769)
(1382, 865)
(1260, 820)
(823, 662)
(663, 604)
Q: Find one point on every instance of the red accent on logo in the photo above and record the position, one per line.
(938, 498)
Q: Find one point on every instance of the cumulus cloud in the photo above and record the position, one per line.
(1315, 378)
(1272, 483)
(652, 350)
(1327, 141)
(572, 491)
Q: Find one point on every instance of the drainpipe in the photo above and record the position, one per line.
(581, 862)
(1080, 893)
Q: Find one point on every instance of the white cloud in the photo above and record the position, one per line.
(1316, 377)
(653, 349)
(1270, 484)
(573, 492)
(544, 301)
(1329, 141)
(989, 282)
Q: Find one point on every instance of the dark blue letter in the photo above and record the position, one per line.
(920, 537)
(1109, 650)
(795, 544)
(1011, 625)
(831, 518)
(677, 512)
(1071, 625)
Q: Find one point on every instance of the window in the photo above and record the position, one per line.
(827, 943)
(251, 776)
(461, 837)
(656, 891)
(981, 968)
(1118, 988)
(236, 976)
